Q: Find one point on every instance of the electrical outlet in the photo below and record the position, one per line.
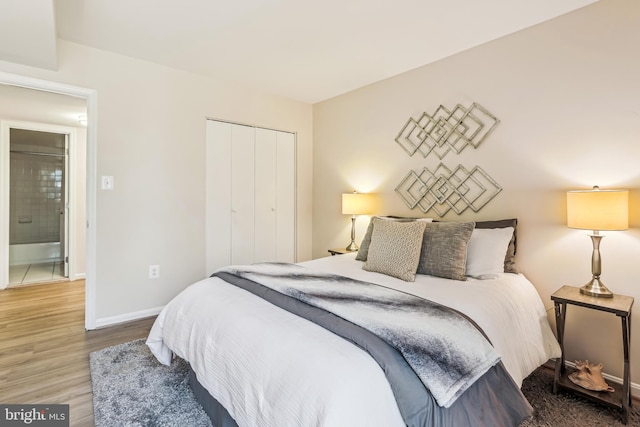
(154, 271)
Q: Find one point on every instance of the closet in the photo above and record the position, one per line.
(250, 195)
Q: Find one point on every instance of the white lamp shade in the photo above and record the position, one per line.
(598, 209)
(358, 204)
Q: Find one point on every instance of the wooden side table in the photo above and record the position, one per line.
(339, 251)
(619, 305)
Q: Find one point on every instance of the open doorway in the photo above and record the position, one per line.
(86, 199)
(41, 203)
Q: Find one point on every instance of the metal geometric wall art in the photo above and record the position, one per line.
(444, 189)
(447, 130)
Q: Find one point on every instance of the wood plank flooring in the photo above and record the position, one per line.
(44, 348)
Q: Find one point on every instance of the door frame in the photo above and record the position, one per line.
(91, 96)
(69, 180)
(71, 225)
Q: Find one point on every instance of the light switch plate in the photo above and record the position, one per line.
(107, 183)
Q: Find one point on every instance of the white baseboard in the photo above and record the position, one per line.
(79, 276)
(127, 317)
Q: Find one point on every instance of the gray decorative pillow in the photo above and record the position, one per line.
(444, 249)
(395, 248)
(366, 240)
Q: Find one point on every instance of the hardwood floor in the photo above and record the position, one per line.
(44, 348)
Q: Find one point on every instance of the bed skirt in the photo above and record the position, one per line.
(217, 414)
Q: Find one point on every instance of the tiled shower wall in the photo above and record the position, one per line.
(35, 198)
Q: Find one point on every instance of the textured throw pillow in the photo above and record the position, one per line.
(510, 257)
(366, 240)
(486, 251)
(395, 248)
(444, 249)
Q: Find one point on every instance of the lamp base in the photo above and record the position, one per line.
(352, 247)
(596, 288)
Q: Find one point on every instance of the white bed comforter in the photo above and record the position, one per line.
(268, 367)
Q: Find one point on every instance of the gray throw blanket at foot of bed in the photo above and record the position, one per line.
(443, 348)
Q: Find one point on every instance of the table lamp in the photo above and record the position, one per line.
(597, 210)
(356, 204)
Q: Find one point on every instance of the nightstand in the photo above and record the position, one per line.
(619, 305)
(339, 251)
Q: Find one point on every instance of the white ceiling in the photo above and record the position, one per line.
(302, 49)
(28, 33)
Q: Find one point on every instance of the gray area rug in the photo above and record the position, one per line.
(130, 388)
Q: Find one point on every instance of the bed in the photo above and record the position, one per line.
(265, 349)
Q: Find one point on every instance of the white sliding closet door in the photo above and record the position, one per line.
(250, 206)
(285, 198)
(275, 195)
(242, 194)
(218, 195)
(265, 195)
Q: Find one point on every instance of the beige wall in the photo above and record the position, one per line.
(568, 98)
(151, 138)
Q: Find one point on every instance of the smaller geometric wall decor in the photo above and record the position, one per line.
(444, 189)
(447, 130)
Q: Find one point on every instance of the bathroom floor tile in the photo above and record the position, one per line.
(39, 273)
(16, 273)
(34, 273)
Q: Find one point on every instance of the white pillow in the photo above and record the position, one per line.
(486, 251)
